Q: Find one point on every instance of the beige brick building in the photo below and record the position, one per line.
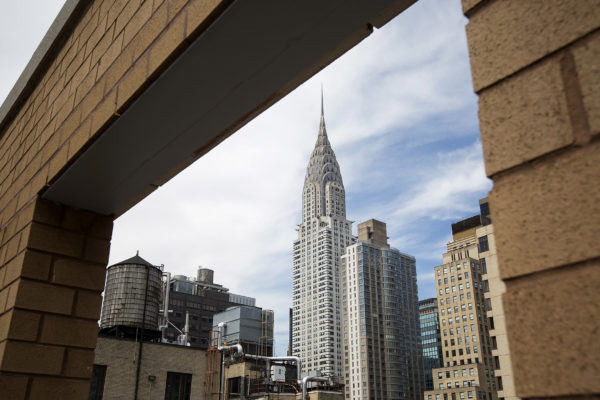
(501, 362)
(475, 245)
(467, 372)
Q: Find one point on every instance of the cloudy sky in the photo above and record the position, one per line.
(401, 116)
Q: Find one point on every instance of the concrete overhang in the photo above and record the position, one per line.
(251, 56)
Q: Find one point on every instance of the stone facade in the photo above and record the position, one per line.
(535, 69)
(120, 358)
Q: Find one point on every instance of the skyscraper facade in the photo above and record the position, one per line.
(495, 287)
(461, 282)
(430, 338)
(322, 237)
(380, 319)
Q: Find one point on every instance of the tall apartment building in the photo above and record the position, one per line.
(431, 339)
(468, 371)
(322, 237)
(380, 319)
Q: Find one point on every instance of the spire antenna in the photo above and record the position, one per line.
(321, 98)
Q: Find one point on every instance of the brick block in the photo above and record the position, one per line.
(80, 221)
(55, 240)
(92, 98)
(59, 388)
(136, 22)
(24, 325)
(546, 213)
(47, 212)
(25, 216)
(32, 358)
(175, 6)
(198, 12)
(79, 363)
(86, 84)
(505, 36)
(524, 117)
(28, 264)
(88, 26)
(5, 325)
(101, 47)
(88, 304)
(166, 44)
(4, 292)
(132, 82)
(97, 34)
(40, 296)
(77, 273)
(587, 60)
(12, 248)
(103, 113)
(69, 331)
(126, 14)
(80, 75)
(97, 250)
(150, 31)
(79, 138)
(119, 67)
(39, 180)
(565, 303)
(14, 387)
(58, 161)
(77, 64)
(111, 54)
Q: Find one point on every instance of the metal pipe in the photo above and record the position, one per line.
(222, 349)
(311, 378)
(186, 329)
(221, 327)
(165, 324)
(238, 347)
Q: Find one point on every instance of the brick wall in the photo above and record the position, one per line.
(120, 358)
(52, 280)
(53, 258)
(114, 51)
(536, 69)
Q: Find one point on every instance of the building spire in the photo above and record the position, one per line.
(322, 113)
(322, 139)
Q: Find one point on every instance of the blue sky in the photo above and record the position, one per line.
(401, 116)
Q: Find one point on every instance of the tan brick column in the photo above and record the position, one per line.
(536, 69)
(54, 263)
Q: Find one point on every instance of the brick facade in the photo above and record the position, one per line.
(120, 358)
(535, 69)
(53, 258)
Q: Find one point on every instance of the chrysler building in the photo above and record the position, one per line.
(322, 238)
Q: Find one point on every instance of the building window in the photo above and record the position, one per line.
(483, 244)
(178, 386)
(97, 382)
(234, 387)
